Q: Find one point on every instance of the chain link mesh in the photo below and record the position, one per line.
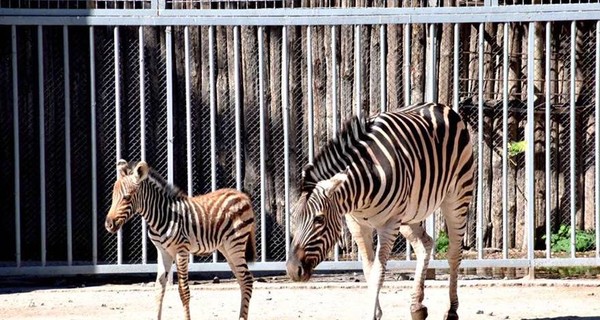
(106, 138)
(321, 47)
(7, 203)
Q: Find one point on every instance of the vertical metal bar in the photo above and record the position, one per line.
(431, 62)
(407, 90)
(431, 96)
(42, 137)
(188, 109)
(238, 107)
(548, 120)
(16, 144)
(456, 96)
(118, 127)
(188, 115)
(407, 73)
(357, 70)
(572, 132)
(142, 70)
(309, 85)
(505, 142)
(286, 131)
(479, 231)
(93, 149)
(213, 113)
(597, 140)
(263, 146)
(530, 138)
(383, 66)
(69, 204)
(334, 78)
(170, 133)
(334, 97)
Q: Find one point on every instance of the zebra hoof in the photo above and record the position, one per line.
(420, 314)
(452, 315)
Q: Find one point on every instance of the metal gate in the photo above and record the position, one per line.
(242, 93)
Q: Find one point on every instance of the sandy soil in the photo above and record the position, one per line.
(480, 299)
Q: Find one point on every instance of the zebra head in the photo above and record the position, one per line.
(317, 225)
(124, 194)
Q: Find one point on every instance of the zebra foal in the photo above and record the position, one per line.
(387, 174)
(179, 225)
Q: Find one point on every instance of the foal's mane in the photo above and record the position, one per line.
(156, 179)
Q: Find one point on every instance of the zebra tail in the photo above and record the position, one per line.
(251, 245)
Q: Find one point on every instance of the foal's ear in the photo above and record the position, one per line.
(122, 168)
(141, 171)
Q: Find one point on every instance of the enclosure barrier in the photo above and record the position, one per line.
(241, 94)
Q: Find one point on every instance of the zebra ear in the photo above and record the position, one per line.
(332, 185)
(141, 171)
(306, 170)
(122, 168)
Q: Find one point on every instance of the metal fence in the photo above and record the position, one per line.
(244, 98)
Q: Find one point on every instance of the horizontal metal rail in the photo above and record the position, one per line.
(299, 16)
(280, 265)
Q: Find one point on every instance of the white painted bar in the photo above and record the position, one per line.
(505, 62)
(263, 146)
(573, 142)
(16, 143)
(530, 138)
(310, 95)
(42, 137)
(188, 116)
(118, 126)
(170, 119)
(213, 113)
(383, 66)
(286, 131)
(597, 140)
(548, 137)
(479, 228)
(94, 151)
(238, 107)
(68, 185)
(142, 68)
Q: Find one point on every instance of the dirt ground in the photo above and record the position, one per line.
(276, 298)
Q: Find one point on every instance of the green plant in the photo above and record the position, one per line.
(561, 241)
(441, 242)
(516, 147)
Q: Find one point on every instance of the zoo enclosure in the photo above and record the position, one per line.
(242, 93)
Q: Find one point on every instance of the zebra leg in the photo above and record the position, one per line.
(165, 260)
(183, 259)
(363, 236)
(235, 256)
(456, 219)
(385, 241)
(422, 243)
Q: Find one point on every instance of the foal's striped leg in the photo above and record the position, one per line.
(165, 261)
(183, 259)
(235, 255)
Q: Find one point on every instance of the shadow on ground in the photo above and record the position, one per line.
(566, 318)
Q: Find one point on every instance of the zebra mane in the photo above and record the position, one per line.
(327, 162)
(156, 179)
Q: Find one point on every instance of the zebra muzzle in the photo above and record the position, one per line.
(298, 269)
(113, 225)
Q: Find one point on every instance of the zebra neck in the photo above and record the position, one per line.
(157, 206)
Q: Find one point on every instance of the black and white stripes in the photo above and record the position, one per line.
(387, 174)
(179, 225)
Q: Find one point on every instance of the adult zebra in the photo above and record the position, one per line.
(387, 174)
(179, 225)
